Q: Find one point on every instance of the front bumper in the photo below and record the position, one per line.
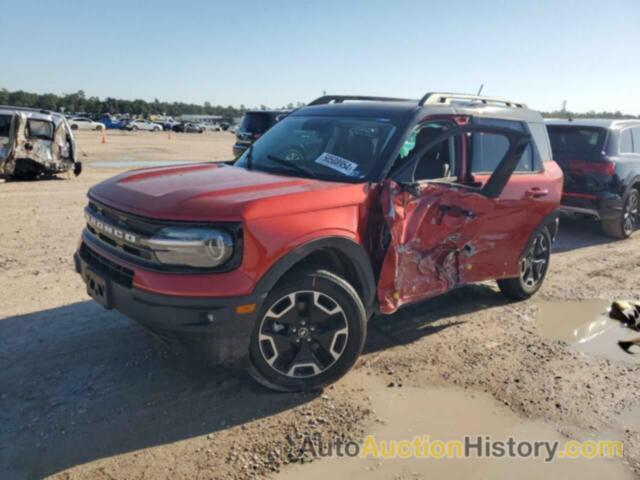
(211, 320)
(602, 205)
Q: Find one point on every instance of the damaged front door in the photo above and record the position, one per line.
(433, 213)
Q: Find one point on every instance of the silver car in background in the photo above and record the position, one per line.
(35, 143)
(135, 125)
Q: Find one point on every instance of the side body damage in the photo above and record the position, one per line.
(475, 228)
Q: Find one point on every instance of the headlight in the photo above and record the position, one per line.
(193, 247)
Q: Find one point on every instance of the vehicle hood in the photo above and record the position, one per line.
(205, 192)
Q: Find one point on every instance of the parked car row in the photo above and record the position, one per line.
(163, 123)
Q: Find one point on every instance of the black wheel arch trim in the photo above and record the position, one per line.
(552, 221)
(355, 252)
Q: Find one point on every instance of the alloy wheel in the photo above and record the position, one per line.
(630, 214)
(534, 263)
(303, 334)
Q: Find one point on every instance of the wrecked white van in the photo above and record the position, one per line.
(35, 143)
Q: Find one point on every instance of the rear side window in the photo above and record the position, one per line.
(40, 129)
(626, 142)
(635, 133)
(489, 149)
(587, 142)
(541, 138)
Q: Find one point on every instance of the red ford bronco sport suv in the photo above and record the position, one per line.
(347, 207)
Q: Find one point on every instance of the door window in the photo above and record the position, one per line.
(442, 161)
(488, 149)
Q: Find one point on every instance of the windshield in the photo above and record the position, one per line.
(329, 148)
(575, 140)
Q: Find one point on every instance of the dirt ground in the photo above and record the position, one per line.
(85, 393)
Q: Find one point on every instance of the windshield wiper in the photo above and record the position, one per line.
(287, 163)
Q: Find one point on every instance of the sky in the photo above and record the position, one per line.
(279, 51)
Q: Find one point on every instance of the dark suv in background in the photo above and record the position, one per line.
(253, 126)
(601, 164)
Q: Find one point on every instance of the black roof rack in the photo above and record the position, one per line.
(341, 98)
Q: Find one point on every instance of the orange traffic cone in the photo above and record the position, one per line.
(104, 137)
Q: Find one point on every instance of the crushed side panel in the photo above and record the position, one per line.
(422, 256)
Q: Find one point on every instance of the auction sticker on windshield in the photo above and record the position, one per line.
(338, 164)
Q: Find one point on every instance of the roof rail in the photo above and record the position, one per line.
(341, 98)
(435, 98)
(28, 109)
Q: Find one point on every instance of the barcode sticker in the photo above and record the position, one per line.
(338, 164)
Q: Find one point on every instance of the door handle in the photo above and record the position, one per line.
(537, 192)
(456, 211)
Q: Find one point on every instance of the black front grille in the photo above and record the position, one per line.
(136, 252)
(110, 269)
(126, 221)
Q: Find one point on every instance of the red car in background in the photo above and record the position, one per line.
(347, 207)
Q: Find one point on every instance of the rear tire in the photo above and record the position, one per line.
(533, 268)
(310, 332)
(624, 226)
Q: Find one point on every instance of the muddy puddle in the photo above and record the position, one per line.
(585, 325)
(450, 414)
(139, 163)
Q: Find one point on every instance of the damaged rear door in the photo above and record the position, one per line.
(433, 223)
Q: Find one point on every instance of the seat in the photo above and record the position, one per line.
(433, 162)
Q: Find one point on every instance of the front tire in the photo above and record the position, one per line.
(309, 333)
(628, 221)
(533, 268)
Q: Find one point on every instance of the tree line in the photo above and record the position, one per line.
(79, 103)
